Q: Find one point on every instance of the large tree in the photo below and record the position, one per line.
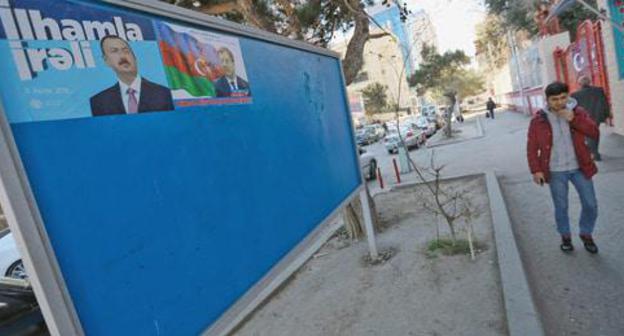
(520, 14)
(490, 41)
(446, 75)
(313, 21)
(375, 98)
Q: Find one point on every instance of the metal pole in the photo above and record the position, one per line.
(368, 224)
(396, 170)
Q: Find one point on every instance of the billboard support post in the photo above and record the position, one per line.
(368, 224)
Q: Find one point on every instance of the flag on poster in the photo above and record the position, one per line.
(189, 64)
(202, 67)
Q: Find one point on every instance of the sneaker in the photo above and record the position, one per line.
(588, 241)
(566, 244)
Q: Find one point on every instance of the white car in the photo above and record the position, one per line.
(368, 164)
(11, 264)
(428, 127)
(412, 136)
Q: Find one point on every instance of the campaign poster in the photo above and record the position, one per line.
(202, 66)
(63, 60)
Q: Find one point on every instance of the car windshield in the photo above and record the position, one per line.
(422, 122)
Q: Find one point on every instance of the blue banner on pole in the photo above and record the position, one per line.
(617, 13)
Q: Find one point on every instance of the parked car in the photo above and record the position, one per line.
(11, 264)
(369, 134)
(19, 311)
(429, 111)
(424, 124)
(412, 136)
(368, 164)
(361, 138)
(376, 131)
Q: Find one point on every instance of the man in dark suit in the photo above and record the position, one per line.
(132, 93)
(230, 84)
(594, 100)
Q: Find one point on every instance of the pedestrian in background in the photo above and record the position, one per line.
(594, 100)
(557, 154)
(457, 110)
(490, 106)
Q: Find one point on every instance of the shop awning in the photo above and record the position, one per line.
(560, 7)
(564, 5)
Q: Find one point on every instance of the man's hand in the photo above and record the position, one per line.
(566, 114)
(539, 178)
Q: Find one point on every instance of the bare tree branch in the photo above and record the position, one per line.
(378, 35)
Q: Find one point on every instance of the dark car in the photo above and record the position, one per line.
(19, 310)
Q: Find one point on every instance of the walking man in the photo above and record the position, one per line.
(557, 155)
(490, 106)
(594, 100)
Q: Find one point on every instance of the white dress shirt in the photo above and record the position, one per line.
(233, 83)
(136, 86)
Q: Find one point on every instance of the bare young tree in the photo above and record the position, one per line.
(448, 203)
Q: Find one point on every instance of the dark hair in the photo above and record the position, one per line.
(556, 88)
(110, 37)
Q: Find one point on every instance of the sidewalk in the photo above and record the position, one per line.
(577, 294)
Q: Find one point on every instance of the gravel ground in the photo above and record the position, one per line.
(337, 293)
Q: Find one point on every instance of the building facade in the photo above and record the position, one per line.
(613, 42)
(421, 32)
(389, 17)
(383, 63)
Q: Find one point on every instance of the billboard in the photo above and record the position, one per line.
(168, 160)
(74, 64)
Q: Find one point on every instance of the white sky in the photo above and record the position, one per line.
(454, 21)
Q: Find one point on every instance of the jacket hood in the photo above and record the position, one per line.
(571, 105)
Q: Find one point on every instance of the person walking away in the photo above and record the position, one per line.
(457, 110)
(557, 154)
(490, 106)
(594, 100)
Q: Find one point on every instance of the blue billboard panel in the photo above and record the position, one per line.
(161, 221)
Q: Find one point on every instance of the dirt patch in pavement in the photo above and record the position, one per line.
(338, 293)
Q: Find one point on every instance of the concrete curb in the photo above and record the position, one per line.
(406, 185)
(522, 317)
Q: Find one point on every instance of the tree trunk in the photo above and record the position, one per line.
(354, 57)
(354, 218)
(470, 243)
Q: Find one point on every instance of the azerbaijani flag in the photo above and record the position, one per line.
(189, 64)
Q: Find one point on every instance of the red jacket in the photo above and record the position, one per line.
(540, 142)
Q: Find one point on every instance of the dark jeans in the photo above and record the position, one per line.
(559, 185)
(491, 113)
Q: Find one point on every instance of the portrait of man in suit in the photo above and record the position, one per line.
(230, 84)
(132, 93)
